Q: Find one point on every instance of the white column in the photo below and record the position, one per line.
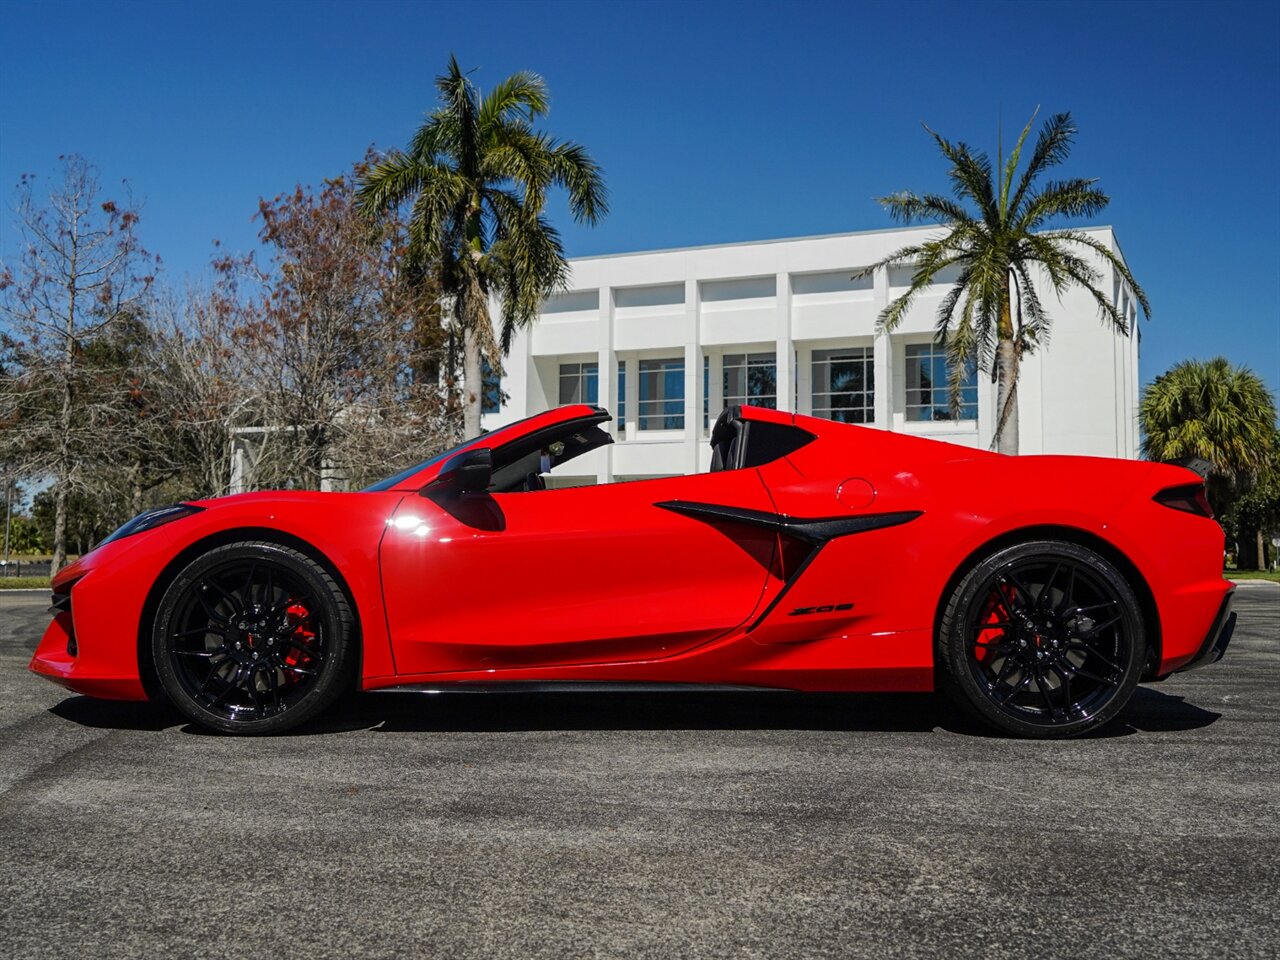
(516, 370)
(692, 377)
(1119, 376)
(883, 356)
(607, 379)
(804, 380)
(239, 467)
(715, 377)
(785, 351)
(1135, 341)
(633, 397)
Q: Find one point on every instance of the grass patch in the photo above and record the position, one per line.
(1272, 575)
(24, 583)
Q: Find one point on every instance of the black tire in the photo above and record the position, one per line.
(1043, 639)
(253, 638)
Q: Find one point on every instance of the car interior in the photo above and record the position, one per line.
(736, 444)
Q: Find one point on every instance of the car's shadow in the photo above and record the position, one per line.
(1149, 711)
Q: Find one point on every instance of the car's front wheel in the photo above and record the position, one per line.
(1042, 639)
(252, 638)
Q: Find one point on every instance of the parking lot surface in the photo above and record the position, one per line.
(628, 825)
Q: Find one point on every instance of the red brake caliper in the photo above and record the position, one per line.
(993, 612)
(303, 636)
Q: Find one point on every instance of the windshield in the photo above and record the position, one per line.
(485, 439)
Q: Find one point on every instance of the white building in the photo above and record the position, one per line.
(665, 339)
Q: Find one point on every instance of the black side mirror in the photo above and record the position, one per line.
(469, 472)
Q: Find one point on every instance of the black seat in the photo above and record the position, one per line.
(728, 440)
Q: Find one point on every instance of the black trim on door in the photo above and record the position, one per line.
(815, 531)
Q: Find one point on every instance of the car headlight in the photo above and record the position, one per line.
(151, 519)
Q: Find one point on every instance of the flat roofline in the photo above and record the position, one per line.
(759, 243)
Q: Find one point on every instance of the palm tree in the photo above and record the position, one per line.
(993, 314)
(475, 179)
(1212, 411)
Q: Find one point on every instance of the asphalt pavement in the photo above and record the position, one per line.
(637, 826)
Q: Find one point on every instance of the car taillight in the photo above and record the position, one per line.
(1189, 497)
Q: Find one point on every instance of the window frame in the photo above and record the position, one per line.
(937, 360)
(826, 357)
(670, 366)
(758, 359)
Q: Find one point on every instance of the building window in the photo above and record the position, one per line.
(844, 385)
(661, 395)
(706, 392)
(579, 383)
(929, 386)
(490, 389)
(751, 378)
(622, 394)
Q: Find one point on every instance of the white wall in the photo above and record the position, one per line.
(1079, 394)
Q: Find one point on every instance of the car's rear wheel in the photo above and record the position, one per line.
(252, 638)
(1042, 639)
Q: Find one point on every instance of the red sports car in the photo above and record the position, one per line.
(818, 556)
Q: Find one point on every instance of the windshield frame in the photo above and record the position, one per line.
(493, 438)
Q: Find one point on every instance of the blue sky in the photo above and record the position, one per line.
(714, 122)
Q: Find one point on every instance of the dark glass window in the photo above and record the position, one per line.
(579, 383)
(622, 394)
(661, 395)
(929, 386)
(751, 378)
(844, 383)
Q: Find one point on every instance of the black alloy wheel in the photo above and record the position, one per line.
(252, 638)
(1043, 639)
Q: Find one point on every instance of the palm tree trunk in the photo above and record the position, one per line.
(472, 385)
(1006, 438)
(1006, 435)
(1262, 551)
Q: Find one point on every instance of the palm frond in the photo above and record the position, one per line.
(1011, 167)
(899, 256)
(1053, 146)
(1075, 236)
(518, 156)
(390, 181)
(970, 176)
(1034, 323)
(435, 221)
(909, 208)
(947, 308)
(521, 96)
(573, 169)
(963, 347)
(459, 111)
(1065, 198)
(435, 138)
(529, 259)
(1107, 311)
(932, 259)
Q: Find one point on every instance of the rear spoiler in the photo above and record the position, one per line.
(1201, 468)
